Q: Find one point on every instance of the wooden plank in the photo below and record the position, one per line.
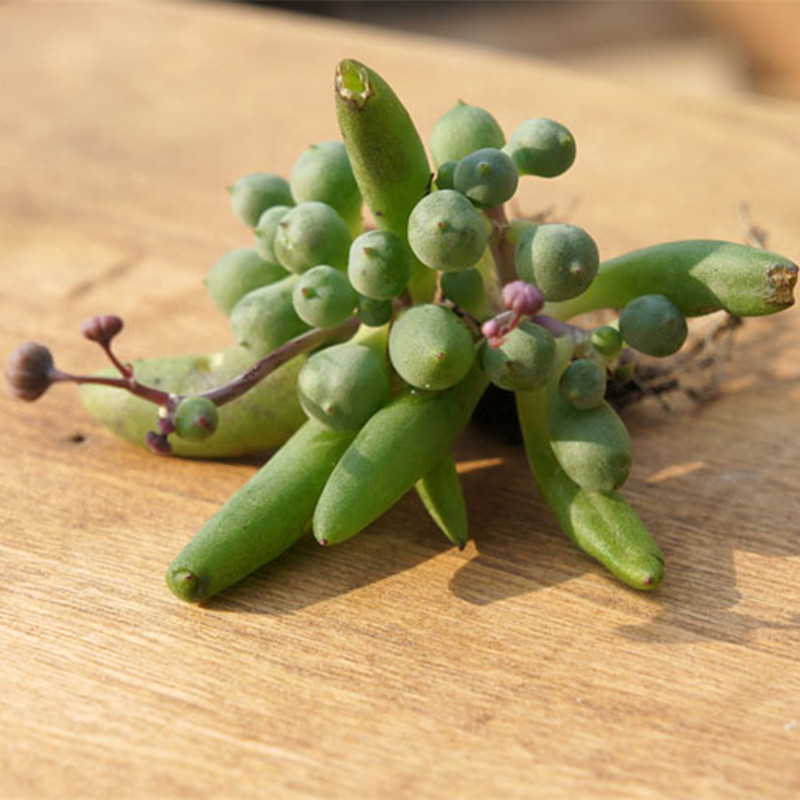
(391, 666)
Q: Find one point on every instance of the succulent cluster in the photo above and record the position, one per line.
(362, 351)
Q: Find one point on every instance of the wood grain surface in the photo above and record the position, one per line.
(392, 666)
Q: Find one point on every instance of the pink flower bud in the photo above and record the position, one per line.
(491, 328)
(30, 371)
(523, 298)
(101, 329)
(158, 443)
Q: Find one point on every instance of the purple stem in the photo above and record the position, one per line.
(286, 352)
(131, 385)
(555, 326)
(124, 369)
(231, 390)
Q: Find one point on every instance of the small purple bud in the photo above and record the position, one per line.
(102, 328)
(166, 425)
(158, 443)
(491, 328)
(523, 298)
(30, 371)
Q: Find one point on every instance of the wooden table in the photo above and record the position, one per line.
(392, 666)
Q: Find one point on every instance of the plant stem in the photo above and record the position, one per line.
(233, 389)
(129, 384)
(286, 352)
(124, 369)
(503, 251)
